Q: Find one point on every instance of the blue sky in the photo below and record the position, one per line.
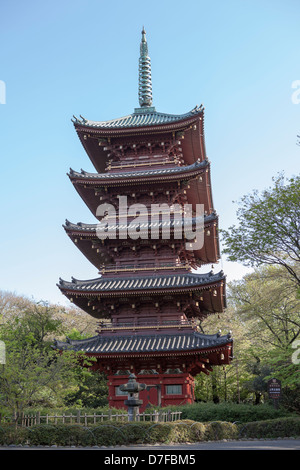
(59, 58)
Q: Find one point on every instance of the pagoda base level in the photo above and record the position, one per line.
(162, 390)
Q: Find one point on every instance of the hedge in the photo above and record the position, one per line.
(231, 412)
(112, 434)
(271, 428)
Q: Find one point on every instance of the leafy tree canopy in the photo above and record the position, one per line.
(267, 302)
(269, 228)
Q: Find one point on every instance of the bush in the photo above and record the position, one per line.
(187, 431)
(112, 434)
(272, 428)
(290, 399)
(230, 412)
(218, 430)
(9, 435)
(148, 433)
(63, 435)
(108, 434)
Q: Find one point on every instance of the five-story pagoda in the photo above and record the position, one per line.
(149, 167)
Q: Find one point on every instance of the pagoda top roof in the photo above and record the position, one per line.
(139, 343)
(141, 283)
(147, 116)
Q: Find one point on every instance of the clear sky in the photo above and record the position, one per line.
(59, 58)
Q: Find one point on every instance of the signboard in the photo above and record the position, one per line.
(274, 390)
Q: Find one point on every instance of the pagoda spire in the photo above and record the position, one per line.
(145, 83)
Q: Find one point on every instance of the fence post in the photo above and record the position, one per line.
(38, 417)
(78, 417)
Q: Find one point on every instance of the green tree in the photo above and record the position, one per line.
(40, 322)
(33, 372)
(258, 382)
(267, 305)
(227, 383)
(267, 302)
(269, 228)
(12, 305)
(92, 391)
(281, 363)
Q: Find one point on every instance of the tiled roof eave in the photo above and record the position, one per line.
(156, 122)
(86, 230)
(143, 130)
(189, 282)
(171, 353)
(86, 293)
(145, 178)
(162, 174)
(149, 346)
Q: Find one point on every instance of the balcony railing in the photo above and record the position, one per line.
(118, 165)
(112, 268)
(178, 324)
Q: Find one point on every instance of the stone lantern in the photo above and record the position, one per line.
(133, 402)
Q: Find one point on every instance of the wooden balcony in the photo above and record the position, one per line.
(106, 327)
(138, 267)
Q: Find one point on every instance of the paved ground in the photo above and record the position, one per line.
(276, 444)
(283, 444)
